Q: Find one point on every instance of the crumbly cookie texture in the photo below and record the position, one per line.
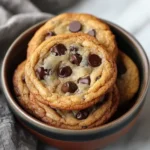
(90, 117)
(72, 23)
(20, 88)
(128, 77)
(70, 71)
(93, 116)
(22, 92)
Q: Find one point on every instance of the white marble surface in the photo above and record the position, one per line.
(134, 16)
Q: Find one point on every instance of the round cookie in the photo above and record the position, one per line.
(91, 117)
(70, 71)
(128, 77)
(72, 23)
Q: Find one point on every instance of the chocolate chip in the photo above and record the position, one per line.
(84, 127)
(69, 87)
(49, 34)
(92, 32)
(75, 26)
(97, 78)
(73, 48)
(23, 79)
(121, 66)
(58, 49)
(76, 59)
(41, 72)
(94, 60)
(85, 80)
(82, 114)
(64, 72)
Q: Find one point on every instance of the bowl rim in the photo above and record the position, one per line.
(103, 128)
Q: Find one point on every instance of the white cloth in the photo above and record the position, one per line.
(15, 17)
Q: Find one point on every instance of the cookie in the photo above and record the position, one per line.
(73, 23)
(70, 71)
(23, 94)
(20, 88)
(128, 77)
(93, 116)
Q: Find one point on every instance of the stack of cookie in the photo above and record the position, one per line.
(69, 79)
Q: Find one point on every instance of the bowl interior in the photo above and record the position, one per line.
(17, 53)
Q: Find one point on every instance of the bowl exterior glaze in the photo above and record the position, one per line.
(83, 145)
(80, 139)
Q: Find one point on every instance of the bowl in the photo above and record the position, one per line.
(87, 139)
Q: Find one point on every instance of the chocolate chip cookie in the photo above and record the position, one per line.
(23, 94)
(128, 77)
(73, 23)
(92, 116)
(70, 71)
(19, 85)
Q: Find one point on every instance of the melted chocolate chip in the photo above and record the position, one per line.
(76, 59)
(69, 87)
(82, 114)
(121, 66)
(75, 26)
(49, 34)
(92, 32)
(41, 72)
(64, 71)
(85, 80)
(94, 60)
(73, 48)
(97, 78)
(84, 127)
(23, 79)
(58, 49)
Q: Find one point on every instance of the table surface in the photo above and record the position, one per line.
(134, 16)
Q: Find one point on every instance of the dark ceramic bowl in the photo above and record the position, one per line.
(79, 139)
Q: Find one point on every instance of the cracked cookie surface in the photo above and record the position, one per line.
(73, 23)
(70, 71)
(93, 116)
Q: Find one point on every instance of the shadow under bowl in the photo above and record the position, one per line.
(77, 139)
